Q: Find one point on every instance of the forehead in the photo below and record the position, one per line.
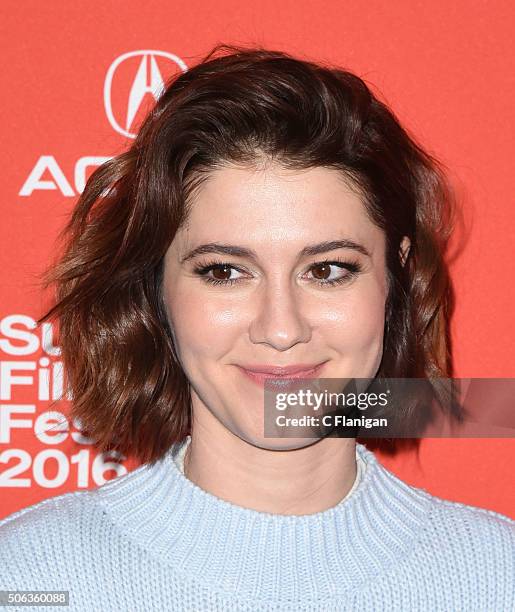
(276, 206)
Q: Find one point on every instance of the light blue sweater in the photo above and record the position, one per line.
(153, 540)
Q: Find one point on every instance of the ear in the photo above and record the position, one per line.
(404, 249)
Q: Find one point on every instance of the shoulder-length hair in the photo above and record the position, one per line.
(128, 390)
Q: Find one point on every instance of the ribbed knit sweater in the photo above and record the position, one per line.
(153, 540)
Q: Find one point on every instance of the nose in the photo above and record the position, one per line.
(279, 321)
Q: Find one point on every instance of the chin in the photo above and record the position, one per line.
(279, 444)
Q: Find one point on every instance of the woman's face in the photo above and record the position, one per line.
(275, 303)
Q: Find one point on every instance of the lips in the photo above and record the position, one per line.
(260, 373)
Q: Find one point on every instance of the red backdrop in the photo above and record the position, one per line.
(447, 69)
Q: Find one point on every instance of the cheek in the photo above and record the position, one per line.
(367, 323)
(202, 326)
(356, 319)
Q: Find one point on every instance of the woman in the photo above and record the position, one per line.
(272, 219)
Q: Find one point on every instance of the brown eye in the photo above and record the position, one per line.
(344, 271)
(222, 272)
(219, 274)
(324, 271)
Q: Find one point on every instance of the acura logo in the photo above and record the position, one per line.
(131, 83)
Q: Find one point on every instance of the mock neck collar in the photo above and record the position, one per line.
(254, 554)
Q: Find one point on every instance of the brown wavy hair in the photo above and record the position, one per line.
(127, 388)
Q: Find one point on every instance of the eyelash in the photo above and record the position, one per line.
(353, 268)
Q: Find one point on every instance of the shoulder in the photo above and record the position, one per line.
(62, 518)
(39, 544)
(474, 520)
(457, 553)
(55, 513)
(475, 535)
(442, 520)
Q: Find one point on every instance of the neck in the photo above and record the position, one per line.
(296, 481)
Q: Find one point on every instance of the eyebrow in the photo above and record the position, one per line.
(308, 251)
